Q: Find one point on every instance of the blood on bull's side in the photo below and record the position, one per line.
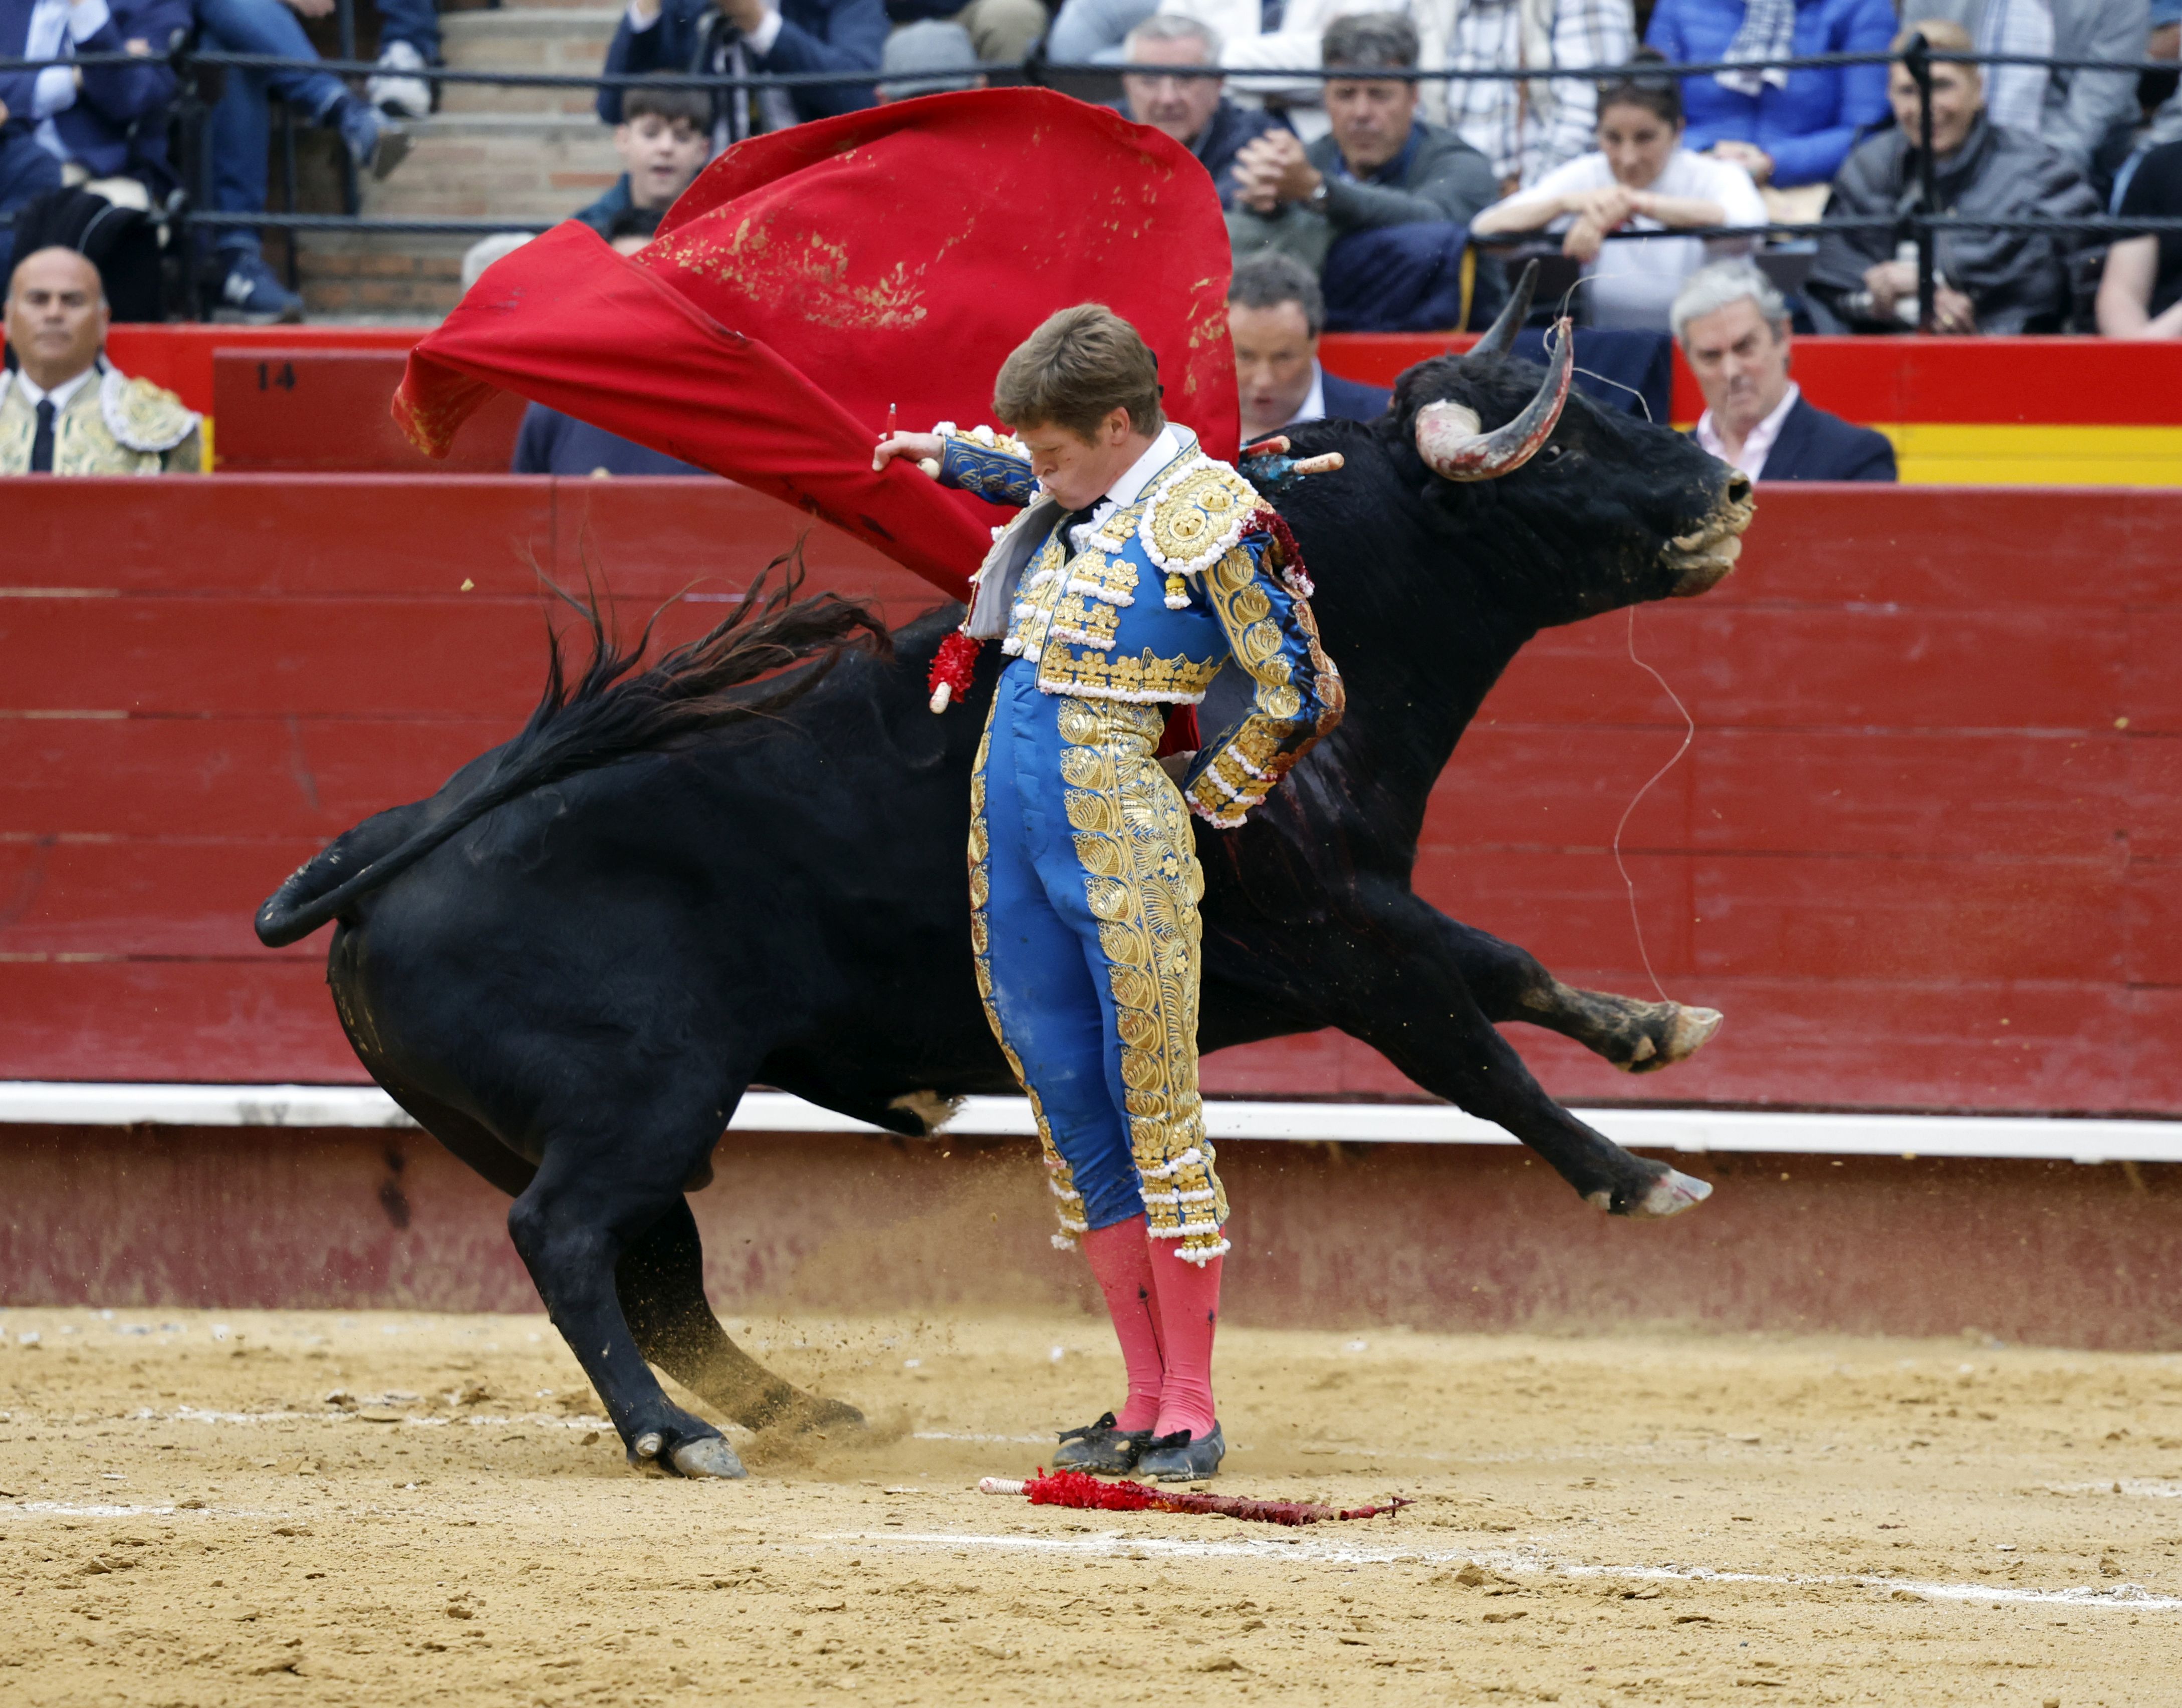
(676, 881)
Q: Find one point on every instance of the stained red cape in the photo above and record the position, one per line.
(811, 278)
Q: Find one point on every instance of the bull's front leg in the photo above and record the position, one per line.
(661, 1281)
(599, 1189)
(1399, 988)
(1510, 984)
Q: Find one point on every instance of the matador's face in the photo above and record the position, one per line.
(1079, 471)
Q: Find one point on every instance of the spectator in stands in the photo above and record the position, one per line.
(2140, 292)
(1002, 32)
(1281, 34)
(1275, 313)
(1786, 129)
(1526, 129)
(1640, 178)
(1192, 110)
(63, 411)
(664, 139)
(408, 41)
(103, 122)
(1523, 129)
(2072, 112)
(1989, 281)
(241, 135)
(932, 58)
(549, 442)
(747, 37)
(1380, 207)
(1733, 327)
(1092, 32)
(106, 124)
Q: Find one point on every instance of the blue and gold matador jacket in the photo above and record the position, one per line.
(1196, 571)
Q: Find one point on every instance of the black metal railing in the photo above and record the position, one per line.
(1921, 223)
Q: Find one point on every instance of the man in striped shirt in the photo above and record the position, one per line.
(1524, 129)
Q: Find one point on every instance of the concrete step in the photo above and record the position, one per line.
(498, 165)
(567, 41)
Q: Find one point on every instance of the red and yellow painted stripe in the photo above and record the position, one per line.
(1979, 412)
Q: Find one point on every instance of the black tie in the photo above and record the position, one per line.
(1071, 519)
(42, 447)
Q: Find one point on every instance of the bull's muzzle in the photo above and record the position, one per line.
(1702, 560)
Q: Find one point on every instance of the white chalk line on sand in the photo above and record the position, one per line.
(107, 1509)
(2129, 1597)
(194, 1414)
(2150, 1486)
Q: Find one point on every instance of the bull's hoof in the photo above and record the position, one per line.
(1687, 1031)
(1671, 1194)
(708, 1455)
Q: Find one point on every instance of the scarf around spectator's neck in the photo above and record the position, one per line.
(1768, 31)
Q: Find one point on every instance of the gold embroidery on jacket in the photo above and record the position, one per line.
(1143, 884)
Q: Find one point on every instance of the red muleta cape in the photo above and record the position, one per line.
(811, 278)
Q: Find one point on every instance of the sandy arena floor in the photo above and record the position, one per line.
(303, 1507)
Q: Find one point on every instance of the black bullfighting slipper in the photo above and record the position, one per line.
(1179, 1458)
(1101, 1448)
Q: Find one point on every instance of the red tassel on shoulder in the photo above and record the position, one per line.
(952, 668)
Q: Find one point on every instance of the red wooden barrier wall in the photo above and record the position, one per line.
(1925, 851)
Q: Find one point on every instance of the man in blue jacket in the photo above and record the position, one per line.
(1784, 128)
(1734, 328)
(109, 119)
(747, 37)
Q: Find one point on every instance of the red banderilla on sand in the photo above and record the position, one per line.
(1081, 1489)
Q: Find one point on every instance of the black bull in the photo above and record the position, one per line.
(679, 883)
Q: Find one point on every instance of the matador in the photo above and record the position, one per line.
(1139, 569)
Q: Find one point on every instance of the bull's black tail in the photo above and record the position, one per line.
(614, 711)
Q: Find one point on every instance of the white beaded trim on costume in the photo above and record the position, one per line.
(1206, 1254)
(1167, 1171)
(1212, 554)
(1078, 690)
(1101, 591)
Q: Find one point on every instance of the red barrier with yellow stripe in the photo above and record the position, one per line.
(1983, 412)
(1979, 412)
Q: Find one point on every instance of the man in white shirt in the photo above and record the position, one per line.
(63, 411)
(1733, 326)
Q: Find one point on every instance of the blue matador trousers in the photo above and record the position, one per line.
(1083, 890)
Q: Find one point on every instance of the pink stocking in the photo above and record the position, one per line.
(1121, 1260)
(1189, 1299)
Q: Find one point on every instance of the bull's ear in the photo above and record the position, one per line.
(1499, 338)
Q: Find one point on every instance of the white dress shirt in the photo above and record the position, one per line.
(1163, 450)
(1757, 443)
(35, 394)
(1633, 284)
(1313, 408)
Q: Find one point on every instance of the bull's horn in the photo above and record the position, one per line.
(1451, 439)
(1499, 338)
